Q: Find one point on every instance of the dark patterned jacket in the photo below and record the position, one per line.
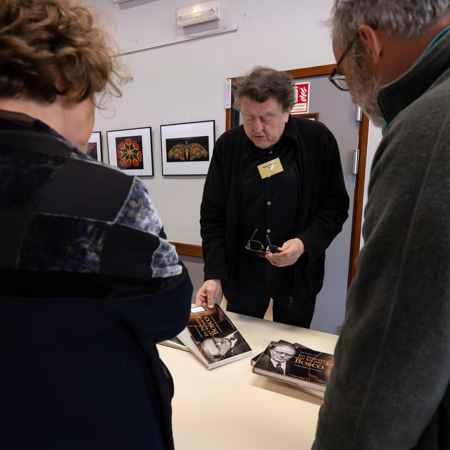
(89, 284)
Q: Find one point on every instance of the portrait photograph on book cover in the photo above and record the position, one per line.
(213, 338)
(186, 148)
(131, 150)
(212, 330)
(295, 363)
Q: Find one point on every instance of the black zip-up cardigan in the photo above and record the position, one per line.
(323, 202)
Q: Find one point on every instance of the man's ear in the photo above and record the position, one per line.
(371, 43)
(287, 114)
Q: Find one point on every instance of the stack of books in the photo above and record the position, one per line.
(212, 338)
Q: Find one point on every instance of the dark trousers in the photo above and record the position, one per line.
(299, 314)
(258, 281)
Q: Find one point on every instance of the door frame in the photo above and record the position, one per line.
(363, 136)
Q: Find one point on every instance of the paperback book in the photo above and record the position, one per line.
(174, 343)
(212, 337)
(295, 364)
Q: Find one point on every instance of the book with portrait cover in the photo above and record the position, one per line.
(212, 337)
(295, 364)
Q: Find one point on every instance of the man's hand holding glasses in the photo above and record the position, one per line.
(258, 248)
(283, 256)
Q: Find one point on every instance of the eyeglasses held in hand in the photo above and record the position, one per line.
(258, 247)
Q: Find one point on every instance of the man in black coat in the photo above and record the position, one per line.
(276, 179)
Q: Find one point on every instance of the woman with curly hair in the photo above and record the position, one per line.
(89, 282)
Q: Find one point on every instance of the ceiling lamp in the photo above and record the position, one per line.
(198, 13)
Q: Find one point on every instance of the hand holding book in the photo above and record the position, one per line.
(213, 338)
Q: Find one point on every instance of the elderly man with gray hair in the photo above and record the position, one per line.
(389, 388)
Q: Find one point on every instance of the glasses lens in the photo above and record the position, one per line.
(255, 246)
(340, 82)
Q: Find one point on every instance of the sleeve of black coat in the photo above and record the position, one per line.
(213, 216)
(327, 193)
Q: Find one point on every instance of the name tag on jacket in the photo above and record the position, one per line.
(270, 168)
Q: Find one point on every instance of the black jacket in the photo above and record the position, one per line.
(89, 286)
(322, 195)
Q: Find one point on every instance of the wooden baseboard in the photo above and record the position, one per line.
(188, 249)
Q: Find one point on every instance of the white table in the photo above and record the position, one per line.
(231, 408)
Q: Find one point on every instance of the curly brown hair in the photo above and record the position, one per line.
(263, 83)
(41, 39)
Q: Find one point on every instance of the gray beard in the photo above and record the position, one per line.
(365, 93)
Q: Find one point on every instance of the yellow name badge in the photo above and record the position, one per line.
(270, 168)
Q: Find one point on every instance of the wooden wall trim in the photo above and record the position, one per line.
(303, 73)
(359, 197)
(311, 71)
(188, 249)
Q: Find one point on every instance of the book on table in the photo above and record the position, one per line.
(174, 343)
(295, 364)
(213, 338)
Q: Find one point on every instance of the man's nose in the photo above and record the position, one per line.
(258, 125)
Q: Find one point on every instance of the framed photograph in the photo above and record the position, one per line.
(186, 148)
(95, 146)
(312, 116)
(131, 150)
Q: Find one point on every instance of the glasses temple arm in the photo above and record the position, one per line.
(253, 235)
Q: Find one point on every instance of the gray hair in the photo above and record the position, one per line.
(404, 17)
(264, 83)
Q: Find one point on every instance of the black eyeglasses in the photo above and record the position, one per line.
(337, 78)
(258, 247)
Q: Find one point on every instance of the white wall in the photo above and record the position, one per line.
(185, 81)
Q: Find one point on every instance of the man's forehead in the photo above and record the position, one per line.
(267, 113)
(284, 349)
(269, 107)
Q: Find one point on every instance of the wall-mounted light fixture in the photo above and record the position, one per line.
(122, 1)
(198, 13)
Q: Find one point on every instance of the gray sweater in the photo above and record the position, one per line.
(389, 386)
